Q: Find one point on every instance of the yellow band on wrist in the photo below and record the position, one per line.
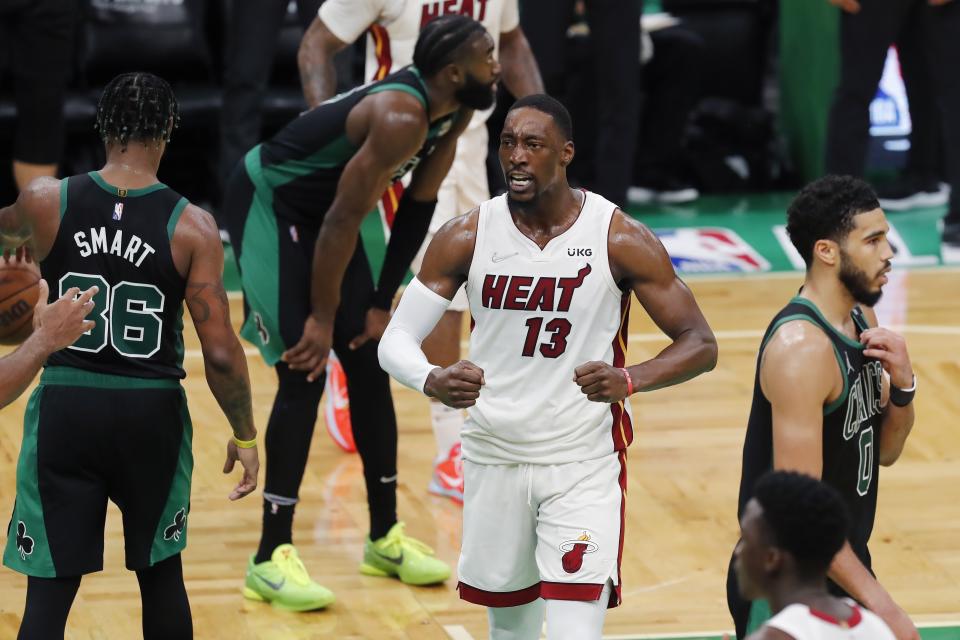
(244, 444)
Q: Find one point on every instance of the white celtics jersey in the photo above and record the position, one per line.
(804, 623)
(393, 27)
(537, 315)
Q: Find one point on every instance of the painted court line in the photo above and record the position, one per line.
(457, 632)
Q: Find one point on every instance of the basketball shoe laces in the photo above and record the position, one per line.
(292, 567)
(397, 543)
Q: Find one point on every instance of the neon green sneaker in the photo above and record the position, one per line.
(406, 558)
(283, 581)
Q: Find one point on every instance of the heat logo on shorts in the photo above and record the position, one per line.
(574, 550)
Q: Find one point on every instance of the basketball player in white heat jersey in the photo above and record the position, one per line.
(392, 27)
(790, 532)
(549, 271)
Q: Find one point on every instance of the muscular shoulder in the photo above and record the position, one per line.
(461, 231)
(197, 224)
(800, 342)
(629, 233)
(395, 111)
(196, 234)
(40, 198)
(451, 249)
(635, 251)
(798, 360)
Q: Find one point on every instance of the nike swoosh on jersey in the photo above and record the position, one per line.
(386, 480)
(498, 258)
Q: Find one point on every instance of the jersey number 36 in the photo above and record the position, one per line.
(126, 316)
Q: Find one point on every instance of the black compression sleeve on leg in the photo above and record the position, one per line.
(375, 432)
(166, 610)
(289, 431)
(48, 604)
(287, 446)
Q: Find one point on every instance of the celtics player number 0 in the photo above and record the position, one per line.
(865, 472)
(126, 315)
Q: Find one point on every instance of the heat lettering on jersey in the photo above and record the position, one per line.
(432, 9)
(133, 250)
(524, 293)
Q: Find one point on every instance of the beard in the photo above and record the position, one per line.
(522, 205)
(475, 94)
(857, 282)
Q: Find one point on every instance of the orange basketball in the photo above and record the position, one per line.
(18, 295)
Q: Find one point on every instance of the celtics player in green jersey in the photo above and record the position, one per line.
(109, 419)
(294, 208)
(833, 394)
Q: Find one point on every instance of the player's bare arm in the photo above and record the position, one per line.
(799, 375)
(446, 264)
(318, 76)
(520, 72)
(891, 350)
(55, 326)
(198, 254)
(33, 219)
(639, 263)
(390, 128)
(410, 227)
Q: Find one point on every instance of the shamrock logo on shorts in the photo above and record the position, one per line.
(175, 530)
(24, 542)
(261, 328)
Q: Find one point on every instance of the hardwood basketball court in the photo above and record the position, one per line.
(684, 468)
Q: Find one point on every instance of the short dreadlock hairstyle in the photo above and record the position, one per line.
(137, 107)
(806, 517)
(824, 210)
(439, 42)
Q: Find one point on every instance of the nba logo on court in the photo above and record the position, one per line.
(117, 211)
(710, 250)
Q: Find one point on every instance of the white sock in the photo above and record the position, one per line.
(447, 423)
(516, 623)
(577, 619)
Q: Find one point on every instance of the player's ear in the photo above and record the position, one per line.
(772, 559)
(566, 153)
(455, 74)
(827, 251)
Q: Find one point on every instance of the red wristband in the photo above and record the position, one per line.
(626, 374)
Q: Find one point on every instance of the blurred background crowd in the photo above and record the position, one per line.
(671, 98)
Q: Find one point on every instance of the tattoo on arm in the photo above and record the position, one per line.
(237, 405)
(199, 297)
(228, 380)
